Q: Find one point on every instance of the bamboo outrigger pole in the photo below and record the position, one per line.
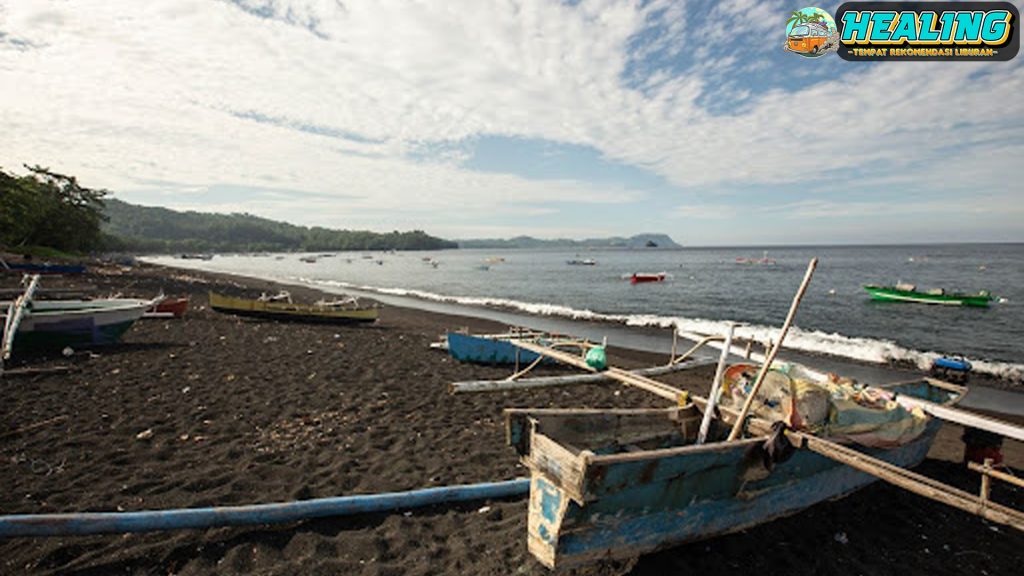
(737, 427)
(13, 319)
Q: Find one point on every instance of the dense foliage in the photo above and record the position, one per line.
(44, 208)
(159, 230)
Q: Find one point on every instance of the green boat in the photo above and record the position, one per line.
(909, 293)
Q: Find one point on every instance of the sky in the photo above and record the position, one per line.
(481, 118)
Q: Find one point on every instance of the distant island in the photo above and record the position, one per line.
(134, 228)
(638, 241)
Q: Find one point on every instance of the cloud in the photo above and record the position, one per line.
(380, 104)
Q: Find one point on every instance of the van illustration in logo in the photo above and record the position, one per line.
(811, 32)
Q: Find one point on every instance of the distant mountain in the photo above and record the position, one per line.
(150, 229)
(638, 241)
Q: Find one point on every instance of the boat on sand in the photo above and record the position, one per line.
(339, 312)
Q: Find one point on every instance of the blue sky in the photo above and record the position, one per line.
(482, 119)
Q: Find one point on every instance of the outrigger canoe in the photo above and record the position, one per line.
(328, 313)
(908, 293)
(490, 349)
(614, 483)
(33, 268)
(54, 324)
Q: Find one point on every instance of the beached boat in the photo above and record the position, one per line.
(645, 278)
(168, 308)
(609, 484)
(909, 293)
(54, 324)
(323, 312)
(489, 349)
(34, 268)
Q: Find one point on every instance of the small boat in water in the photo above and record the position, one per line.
(763, 260)
(339, 312)
(642, 278)
(909, 293)
(583, 262)
(308, 259)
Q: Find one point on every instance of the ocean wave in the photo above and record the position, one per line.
(871, 350)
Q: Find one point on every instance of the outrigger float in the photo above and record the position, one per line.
(618, 483)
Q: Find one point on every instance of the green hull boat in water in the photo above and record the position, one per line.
(908, 293)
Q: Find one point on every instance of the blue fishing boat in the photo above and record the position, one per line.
(613, 484)
(493, 349)
(33, 268)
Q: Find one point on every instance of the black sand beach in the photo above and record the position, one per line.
(243, 411)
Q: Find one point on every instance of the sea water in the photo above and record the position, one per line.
(707, 287)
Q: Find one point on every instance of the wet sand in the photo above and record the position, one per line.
(244, 411)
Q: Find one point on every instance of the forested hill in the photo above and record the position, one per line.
(160, 230)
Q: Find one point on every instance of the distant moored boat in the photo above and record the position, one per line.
(909, 293)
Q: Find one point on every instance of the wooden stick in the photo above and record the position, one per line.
(17, 431)
(911, 481)
(14, 320)
(549, 381)
(738, 426)
(675, 341)
(996, 473)
(716, 386)
(701, 342)
(986, 480)
(519, 373)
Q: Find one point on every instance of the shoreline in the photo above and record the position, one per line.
(243, 411)
(860, 369)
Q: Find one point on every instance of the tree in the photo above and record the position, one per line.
(45, 208)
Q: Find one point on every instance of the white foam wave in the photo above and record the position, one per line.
(872, 350)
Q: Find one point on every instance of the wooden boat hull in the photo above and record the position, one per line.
(287, 312)
(646, 278)
(484, 350)
(587, 506)
(169, 308)
(887, 294)
(81, 327)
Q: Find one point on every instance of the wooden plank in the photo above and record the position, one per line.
(965, 418)
(549, 381)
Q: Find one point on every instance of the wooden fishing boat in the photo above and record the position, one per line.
(346, 312)
(909, 293)
(609, 484)
(583, 262)
(489, 349)
(168, 308)
(54, 324)
(645, 278)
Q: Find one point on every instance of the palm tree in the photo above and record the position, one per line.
(797, 18)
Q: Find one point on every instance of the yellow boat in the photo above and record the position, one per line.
(345, 312)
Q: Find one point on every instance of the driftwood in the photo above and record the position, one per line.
(47, 422)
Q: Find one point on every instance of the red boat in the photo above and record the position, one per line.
(168, 308)
(642, 278)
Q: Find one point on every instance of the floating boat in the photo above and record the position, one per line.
(54, 324)
(344, 312)
(584, 262)
(308, 259)
(188, 256)
(645, 278)
(168, 308)
(909, 293)
(764, 260)
(33, 268)
(614, 484)
(489, 349)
